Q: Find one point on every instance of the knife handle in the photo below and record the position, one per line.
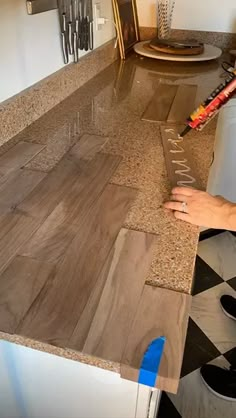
(64, 47)
(63, 26)
(71, 43)
(91, 35)
(77, 27)
(76, 57)
(86, 33)
(82, 33)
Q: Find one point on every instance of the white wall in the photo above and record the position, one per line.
(209, 15)
(30, 45)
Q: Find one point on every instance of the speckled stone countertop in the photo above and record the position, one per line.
(111, 105)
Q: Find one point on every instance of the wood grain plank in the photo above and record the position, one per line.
(55, 313)
(88, 146)
(84, 192)
(183, 102)
(56, 233)
(18, 156)
(179, 161)
(17, 186)
(170, 310)
(15, 230)
(132, 257)
(160, 104)
(44, 198)
(50, 242)
(20, 283)
(78, 338)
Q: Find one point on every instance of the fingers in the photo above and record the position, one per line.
(182, 216)
(180, 198)
(173, 206)
(185, 191)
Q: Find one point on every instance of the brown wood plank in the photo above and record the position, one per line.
(183, 102)
(85, 191)
(17, 186)
(170, 310)
(81, 330)
(60, 181)
(88, 146)
(132, 257)
(20, 283)
(15, 230)
(179, 162)
(56, 312)
(51, 240)
(160, 104)
(18, 156)
(53, 237)
(43, 199)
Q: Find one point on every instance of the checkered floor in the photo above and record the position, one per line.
(211, 336)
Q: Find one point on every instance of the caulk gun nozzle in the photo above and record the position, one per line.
(185, 131)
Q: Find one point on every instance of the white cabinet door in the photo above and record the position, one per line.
(35, 384)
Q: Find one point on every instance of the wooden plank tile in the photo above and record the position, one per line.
(170, 310)
(60, 180)
(81, 330)
(20, 283)
(85, 191)
(15, 230)
(50, 242)
(43, 199)
(160, 104)
(55, 313)
(18, 156)
(53, 237)
(183, 102)
(17, 186)
(179, 161)
(132, 257)
(88, 146)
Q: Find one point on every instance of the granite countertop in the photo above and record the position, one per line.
(109, 108)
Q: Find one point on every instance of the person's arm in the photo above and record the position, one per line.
(202, 209)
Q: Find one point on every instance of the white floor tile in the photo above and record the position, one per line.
(208, 315)
(220, 253)
(194, 400)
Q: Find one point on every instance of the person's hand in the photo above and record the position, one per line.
(200, 208)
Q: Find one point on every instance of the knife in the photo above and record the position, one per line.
(70, 29)
(86, 33)
(64, 47)
(76, 55)
(90, 17)
(62, 21)
(87, 14)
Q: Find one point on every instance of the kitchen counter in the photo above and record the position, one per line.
(92, 267)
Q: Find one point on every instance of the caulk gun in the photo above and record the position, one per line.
(211, 106)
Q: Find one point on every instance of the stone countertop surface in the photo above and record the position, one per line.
(110, 106)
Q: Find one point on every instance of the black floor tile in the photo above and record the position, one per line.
(209, 233)
(167, 409)
(204, 277)
(199, 350)
(231, 356)
(232, 282)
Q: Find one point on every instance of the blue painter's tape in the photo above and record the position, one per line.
(151, 361)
